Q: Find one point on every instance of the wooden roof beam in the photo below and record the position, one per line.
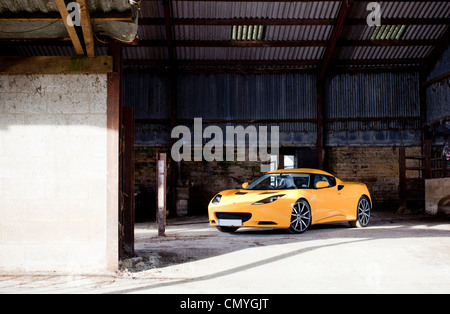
(86, 26)
(337, 30)
(70, 28)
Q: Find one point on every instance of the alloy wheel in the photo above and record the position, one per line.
(300, 217)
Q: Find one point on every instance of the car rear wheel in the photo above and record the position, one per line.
(362, 213)
(300, 217)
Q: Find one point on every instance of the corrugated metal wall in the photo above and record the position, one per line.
(438, 94)
(438, 101)
(384, 107)
(149, 94)
(252, 97)
(373, 95)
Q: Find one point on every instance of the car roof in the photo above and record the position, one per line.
(302, 170)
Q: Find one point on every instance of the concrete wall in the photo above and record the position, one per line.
(437, 196)
(53, 173)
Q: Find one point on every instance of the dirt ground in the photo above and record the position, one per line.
(394, 254)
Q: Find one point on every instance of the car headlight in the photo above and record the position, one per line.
(216, 199)
(269, 199)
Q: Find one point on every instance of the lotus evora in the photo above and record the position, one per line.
(292, 199)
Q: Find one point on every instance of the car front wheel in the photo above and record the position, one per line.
(227, 229)
(300, 217)
(362, 213)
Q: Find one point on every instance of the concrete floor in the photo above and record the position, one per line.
(395, 254)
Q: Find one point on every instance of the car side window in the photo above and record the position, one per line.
(320, 177)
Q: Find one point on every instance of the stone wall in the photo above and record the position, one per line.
(377, 167)
(208, 179)
(53, 173)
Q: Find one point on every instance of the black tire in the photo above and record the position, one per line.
(300, 217)
(227, 229)
(362, 213)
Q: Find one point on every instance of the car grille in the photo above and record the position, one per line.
(242, 216)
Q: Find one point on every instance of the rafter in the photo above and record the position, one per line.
(70, 29)
(86, 26)
(337, 30)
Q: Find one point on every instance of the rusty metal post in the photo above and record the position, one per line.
(402, 177)
(128, 180)
(161, 194)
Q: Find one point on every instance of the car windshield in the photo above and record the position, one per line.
(281, 181)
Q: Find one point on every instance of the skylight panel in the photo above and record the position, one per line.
(248, 32)
(387, 32)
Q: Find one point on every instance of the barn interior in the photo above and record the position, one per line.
(362, 95)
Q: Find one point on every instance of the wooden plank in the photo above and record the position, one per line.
(70, 29)
(55, 65)
(86, 26)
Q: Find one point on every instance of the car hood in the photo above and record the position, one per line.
(250, 196)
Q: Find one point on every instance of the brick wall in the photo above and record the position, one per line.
(209, 178)
(53, 172)
(378, 167)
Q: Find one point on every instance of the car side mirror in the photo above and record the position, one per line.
(244, 185)
(322, 184)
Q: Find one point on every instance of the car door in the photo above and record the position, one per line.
(327, 204)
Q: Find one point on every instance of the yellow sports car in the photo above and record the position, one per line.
(292, 199)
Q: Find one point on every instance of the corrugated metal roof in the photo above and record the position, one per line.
(383, 52)
(250, 53)
(242, 9)
(152, 32)
(405, 9)
(152, 9)
(36, 29)
(202, 32)
(46, 6)
(37, 50)
(153, 29)
(145, 53)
